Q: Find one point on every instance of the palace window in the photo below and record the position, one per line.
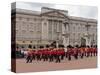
(28, 19)
(23, 41)
(35, 19)
(20, 18)
(30, 41)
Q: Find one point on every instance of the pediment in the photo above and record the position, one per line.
(54, 14)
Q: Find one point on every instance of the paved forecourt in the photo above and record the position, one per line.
(35, 66)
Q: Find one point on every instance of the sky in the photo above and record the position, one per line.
(73, 10)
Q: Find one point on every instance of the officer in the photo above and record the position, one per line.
(69, 49)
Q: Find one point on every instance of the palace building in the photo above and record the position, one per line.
(42, 28)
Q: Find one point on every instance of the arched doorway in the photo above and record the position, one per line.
(83, 41)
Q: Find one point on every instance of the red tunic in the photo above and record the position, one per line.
(75, 50)
(88, 49)
(62, 51)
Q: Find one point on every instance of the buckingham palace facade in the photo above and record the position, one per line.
(42, 28)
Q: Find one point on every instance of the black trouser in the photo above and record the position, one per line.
(50, 57)
(31, 59)
(76, 56)
(95, 53)
(38, 57)
(28, 59)
(55, 56)
(62, 56)
(66, 54)
(57, 59)
(88, 54)
(85, 53)
(91, 53)
(33, 56)
(46, 57)
(69, 56)
(43, 57)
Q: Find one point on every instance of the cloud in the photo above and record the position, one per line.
(80, 11)
(32, 6)
(73, 10)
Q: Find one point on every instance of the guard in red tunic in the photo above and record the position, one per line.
(57, 55)
(85, 51)
(62, 53)
(50, 56)
(54, 53)
(91, 51)
(88, 51)
(95, 50)
(46, 53)
(69, 50)
(75, 52)
(38, 54)
(34, 54)
(81, 51)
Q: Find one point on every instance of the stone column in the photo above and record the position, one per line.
(88, 41)
(67, 42)
(64, 40)
(65, 33)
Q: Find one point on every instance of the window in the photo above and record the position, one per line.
(34, 19)
(20, 18)
(30, 41)
(23, 31)
(28, 19)
(23, 41)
